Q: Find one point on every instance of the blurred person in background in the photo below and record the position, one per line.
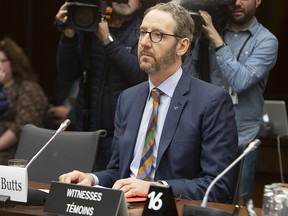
(241, 56)
(113, 68)
(22, 100)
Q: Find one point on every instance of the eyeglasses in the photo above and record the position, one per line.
(4, 60)
(155, 36)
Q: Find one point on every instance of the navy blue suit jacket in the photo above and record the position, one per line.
(198, 141)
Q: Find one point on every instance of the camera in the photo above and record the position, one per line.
(216, 8)
(84, 15)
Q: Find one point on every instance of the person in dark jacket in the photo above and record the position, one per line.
(113, 67)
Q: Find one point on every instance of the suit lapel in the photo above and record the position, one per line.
(176, 107)
(133, 124)
(136, 112)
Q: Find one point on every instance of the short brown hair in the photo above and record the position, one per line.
(185, 25)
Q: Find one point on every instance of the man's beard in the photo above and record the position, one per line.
(163, 62)
(122, 9)
(243, 20)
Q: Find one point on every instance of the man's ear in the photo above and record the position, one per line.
(182, 46)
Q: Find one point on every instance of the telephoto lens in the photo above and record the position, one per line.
(84, 15)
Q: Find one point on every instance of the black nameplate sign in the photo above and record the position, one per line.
(73, 199)
(160, 202)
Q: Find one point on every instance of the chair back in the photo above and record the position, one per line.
(69, 150)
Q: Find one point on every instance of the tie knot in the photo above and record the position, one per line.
(155, 94)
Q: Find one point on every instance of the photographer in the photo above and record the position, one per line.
(241, 57)
(113, 67)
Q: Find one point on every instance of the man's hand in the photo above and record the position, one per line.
(62, 13)
(62, 17)
(133, 187)
(102, 31)
(77, 177)
(209, 29)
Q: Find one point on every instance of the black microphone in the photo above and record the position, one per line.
(61, 128)
(189, 210)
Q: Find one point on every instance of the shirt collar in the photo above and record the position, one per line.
(252, 28)
(169, 85)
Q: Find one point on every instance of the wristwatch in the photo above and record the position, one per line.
(220, 47)
(108, 40)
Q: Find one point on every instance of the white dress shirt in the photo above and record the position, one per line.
(167, 87)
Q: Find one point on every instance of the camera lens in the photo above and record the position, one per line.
(84, 17)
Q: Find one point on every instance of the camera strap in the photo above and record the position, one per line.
(204, 63)
(86, 73)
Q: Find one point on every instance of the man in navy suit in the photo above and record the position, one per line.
(195, 137)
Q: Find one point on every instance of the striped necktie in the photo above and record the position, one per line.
(145, 167)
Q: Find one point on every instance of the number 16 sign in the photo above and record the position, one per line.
(160, 202)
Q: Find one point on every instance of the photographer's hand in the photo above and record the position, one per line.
(62, 13)
(61, 16)
(209, 29)
(102, 32)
